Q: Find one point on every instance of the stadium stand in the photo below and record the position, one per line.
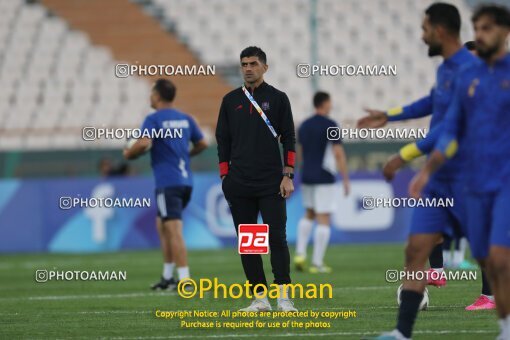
(347, 32)
(54, 82)
(59, 73)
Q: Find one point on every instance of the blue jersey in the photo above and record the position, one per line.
(437, 104)
(170, 158)
(479, 118)
(313, 137)
(426, 145)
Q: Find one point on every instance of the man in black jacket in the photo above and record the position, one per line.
(252, 121)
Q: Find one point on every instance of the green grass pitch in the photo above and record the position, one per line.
(126, 309)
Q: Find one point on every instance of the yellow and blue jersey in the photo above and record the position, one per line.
(479, 117)
(437, 104)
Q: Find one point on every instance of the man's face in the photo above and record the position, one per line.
(253, 69)
(326, 106)
(489, 37)
(430, 37)
(154, 98)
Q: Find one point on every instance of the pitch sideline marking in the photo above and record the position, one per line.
(308, 334)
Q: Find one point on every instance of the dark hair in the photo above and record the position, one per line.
(254, 51)
(500, 14)
(470, 45)
(165, 88)
(445, 15)
(319, 98)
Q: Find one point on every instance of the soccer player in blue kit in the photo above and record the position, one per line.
(424, 146)
(477, 122)
(441, 32)
(170, 160)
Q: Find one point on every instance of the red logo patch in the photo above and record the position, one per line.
(253, 239)
(239, 107)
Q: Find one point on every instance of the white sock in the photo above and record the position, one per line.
(502, 325)
(507, 325)
(458, 257)
(303, 236)
(490, 297)
(168, 270)
(183, 273)
(284, 294)
(439, 270)
(320, 243)
(447, 256)
(463, 247)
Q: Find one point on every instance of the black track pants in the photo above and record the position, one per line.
(245, 204)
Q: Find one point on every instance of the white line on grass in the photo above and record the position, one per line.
(88, 312)
(311, 334)
(78, 297)
(128, 295)
(119, 260)
(152, 311)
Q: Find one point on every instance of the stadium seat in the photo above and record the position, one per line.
(348, 32)
(65, 67)
(49, 80)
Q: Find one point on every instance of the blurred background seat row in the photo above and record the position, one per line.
(54, 80)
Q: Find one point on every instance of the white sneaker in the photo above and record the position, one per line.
(393, 335)
(258, 305)
(286, 305)
(503, 336)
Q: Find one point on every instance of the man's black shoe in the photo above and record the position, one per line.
(164, 284)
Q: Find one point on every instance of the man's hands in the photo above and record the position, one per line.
(392, 166)
(375, 119)
(418, 183)
(347, 187)
(421, 179)
(286, 187)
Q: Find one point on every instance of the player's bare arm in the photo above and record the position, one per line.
(392, 166)
(341, 163)
(374, 119)
(198, 147)
(138, 148)
(421, 179)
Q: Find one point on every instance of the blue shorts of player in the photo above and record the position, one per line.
(488, 220)
(438, 219)
(172, 201)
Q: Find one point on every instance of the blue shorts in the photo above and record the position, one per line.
(488, 221)
(449, 220)
(172, 201)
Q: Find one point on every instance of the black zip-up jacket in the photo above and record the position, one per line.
(247, 150)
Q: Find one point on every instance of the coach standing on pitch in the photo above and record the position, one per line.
(251, 122)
